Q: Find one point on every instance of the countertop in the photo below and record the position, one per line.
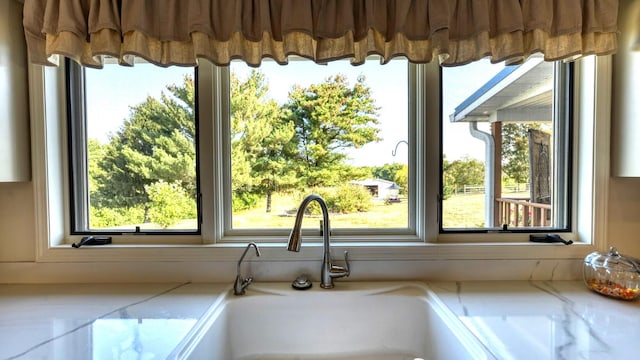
(514, 319)
(99, 321)
(545, 320)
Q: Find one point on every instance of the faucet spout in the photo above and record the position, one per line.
(328, 271)
(240, 284)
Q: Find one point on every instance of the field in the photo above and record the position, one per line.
(460, 211)
(381, 215)
(463, 211)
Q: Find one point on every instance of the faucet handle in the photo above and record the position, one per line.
(241, 284)
(341, 271)
(247, 281)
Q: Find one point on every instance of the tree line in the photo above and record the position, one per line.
(146, 171)
(514, 162)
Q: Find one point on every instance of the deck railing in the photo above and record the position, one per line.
(521, 212)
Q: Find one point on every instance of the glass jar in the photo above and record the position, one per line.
(612, 274)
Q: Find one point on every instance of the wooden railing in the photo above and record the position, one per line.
(522, 213)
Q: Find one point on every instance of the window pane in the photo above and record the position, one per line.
(500, 152)
(141, 157)
(337, 130)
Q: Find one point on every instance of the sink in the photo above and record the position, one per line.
(376, 320)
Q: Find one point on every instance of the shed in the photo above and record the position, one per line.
(380, 189)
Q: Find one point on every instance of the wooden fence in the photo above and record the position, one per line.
(480, 189)
(523, 213)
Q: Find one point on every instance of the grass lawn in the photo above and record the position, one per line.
(467, 210)
(459, 211)
(381, 215)
(463, 211)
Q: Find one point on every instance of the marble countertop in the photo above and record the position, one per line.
(99, 321)
(545, 320)
(514, 319)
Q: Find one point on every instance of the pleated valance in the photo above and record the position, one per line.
(179, 32)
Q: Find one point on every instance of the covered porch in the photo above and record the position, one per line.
(519, 94)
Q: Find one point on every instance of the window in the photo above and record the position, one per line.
(506, 146)
(236, 157)
(133, 149)
(337, 130)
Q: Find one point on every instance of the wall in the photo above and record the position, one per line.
(625, 130)
(16, 198)
(17, 251)
(17, 233)
(624, 193)
(624, 215)
(14, 106)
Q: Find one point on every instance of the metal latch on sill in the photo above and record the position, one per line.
(549, 238)
(92, 240)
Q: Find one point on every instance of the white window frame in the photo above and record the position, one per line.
(591, 146)
(222, 229)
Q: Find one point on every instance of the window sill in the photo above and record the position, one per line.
(51, 209)
(379, 251)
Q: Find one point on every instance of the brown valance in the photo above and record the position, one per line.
(634, 18)
(179, 32)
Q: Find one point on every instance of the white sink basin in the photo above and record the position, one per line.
(352, 321)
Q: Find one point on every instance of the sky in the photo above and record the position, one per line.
(388, 88)
(458, 84)
(112, 90)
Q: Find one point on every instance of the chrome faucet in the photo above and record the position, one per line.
(329, 271)
(241, 283)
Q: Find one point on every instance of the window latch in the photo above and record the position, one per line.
(92, 240)
(549, 238)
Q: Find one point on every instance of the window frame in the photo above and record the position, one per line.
(78, 160)
(563, 108)
(223, 171)
(592, 103)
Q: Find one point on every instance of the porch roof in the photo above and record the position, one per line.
(517, 93)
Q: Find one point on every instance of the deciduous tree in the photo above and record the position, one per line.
(515, 150)
(460, 172)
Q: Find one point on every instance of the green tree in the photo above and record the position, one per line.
(330, 118)
(261, 142)
(155, 143)
(170, 203)
(448, 180)
(387, 171)
(465, 171)
(95, 155)
(347, 198)
(515, 150)
(401, 178)
(398, 173)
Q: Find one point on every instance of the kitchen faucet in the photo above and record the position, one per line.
(241, 283)
(329, 271)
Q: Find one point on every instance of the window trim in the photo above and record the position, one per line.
(77, 177)
(48, 113)
(77, 129)
(225, 231)
(564, 80)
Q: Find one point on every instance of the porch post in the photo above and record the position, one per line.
(496, 132)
